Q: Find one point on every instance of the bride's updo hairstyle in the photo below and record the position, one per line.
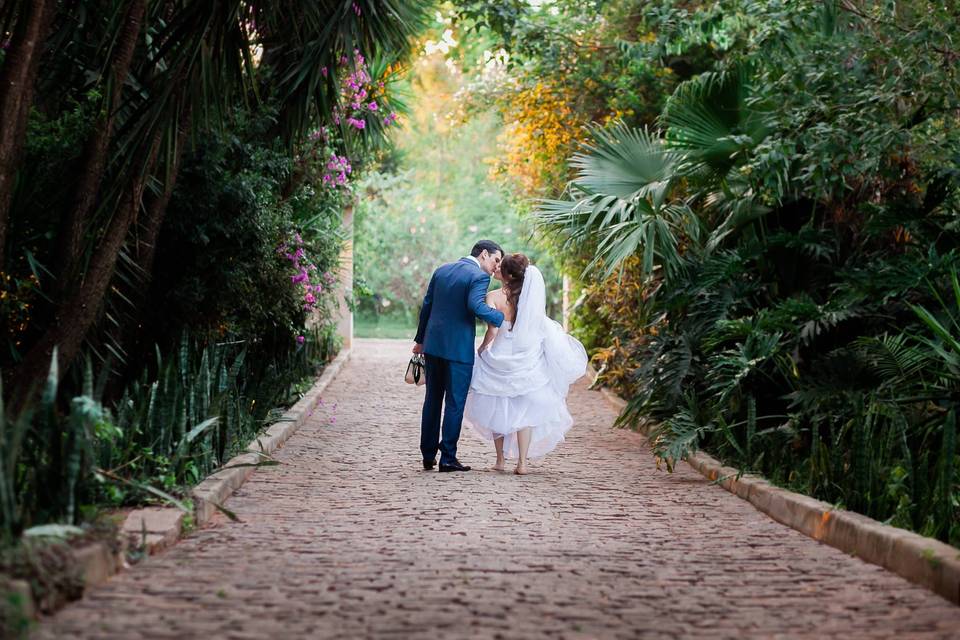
(512, 269)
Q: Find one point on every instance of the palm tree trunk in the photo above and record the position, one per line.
(78, 313)
(17, 80)
(95, 152)
(137, 335)
(157, 208)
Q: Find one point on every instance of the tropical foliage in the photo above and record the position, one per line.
(172, 179)
(784, 230)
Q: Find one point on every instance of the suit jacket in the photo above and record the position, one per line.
(456, 295)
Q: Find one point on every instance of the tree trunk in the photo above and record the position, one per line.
(95, 152)
(78, 313)
(17, 81)
(157, 208)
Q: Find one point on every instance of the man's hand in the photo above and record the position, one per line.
(418, 348)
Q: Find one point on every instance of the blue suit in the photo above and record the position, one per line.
(447, 331)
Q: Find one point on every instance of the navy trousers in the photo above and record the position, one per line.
(447, 385)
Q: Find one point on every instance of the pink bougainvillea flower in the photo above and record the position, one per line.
(372, 106)
(301, 339)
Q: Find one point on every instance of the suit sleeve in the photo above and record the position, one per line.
(425, 311)
(476, 302)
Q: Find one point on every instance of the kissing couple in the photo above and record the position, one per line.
(512, 389)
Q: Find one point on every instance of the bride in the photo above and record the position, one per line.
(520, 379)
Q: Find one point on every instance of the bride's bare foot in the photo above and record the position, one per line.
(499, 467)
(521, 469)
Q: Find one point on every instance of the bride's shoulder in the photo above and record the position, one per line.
(496, 298)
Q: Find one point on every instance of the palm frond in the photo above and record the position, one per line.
(621, 199)
(729, 368)
(896, 358)
(626, 163)
(712, 119)
(679, 436)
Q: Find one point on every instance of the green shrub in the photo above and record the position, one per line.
(789, 237)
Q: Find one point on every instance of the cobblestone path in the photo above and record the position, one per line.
(349, 538)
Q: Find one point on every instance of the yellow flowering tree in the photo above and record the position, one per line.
(542, 128)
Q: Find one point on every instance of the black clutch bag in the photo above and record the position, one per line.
(416, 371)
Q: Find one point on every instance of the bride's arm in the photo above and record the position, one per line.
(491, 330)
(487, 338)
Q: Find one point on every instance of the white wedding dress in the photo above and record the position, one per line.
(522, 378)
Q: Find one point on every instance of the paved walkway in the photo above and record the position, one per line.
(349, 538)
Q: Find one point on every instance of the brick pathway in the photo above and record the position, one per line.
(349, 538)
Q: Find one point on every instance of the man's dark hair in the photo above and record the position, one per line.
(485, 245)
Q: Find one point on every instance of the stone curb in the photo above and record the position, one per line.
(163, 526)
(156, 528)
(96, 563)
(924, 561)
(216, 488)
(921, 560)
(22, 597)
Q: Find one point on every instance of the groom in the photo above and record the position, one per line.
(446, 336)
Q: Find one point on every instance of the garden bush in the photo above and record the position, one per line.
(783, 232)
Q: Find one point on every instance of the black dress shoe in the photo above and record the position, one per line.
(456, 466)
(428, 464)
